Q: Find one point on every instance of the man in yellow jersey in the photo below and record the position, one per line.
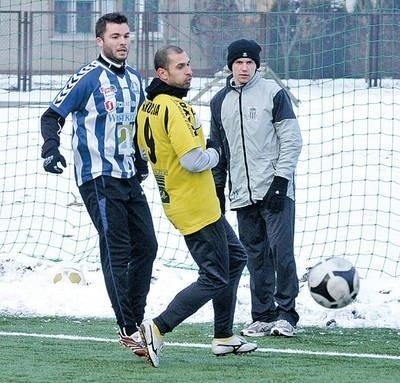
(171, 138)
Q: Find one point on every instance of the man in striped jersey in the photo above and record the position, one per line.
(103, 98)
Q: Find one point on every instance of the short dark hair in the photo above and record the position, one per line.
(161, 57)
(115, 18)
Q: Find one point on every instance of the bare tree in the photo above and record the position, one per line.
(296, 23)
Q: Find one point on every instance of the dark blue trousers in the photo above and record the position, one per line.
(128, 245)
(269, 241)
(221, 258)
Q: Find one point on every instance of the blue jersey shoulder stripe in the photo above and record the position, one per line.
(73, 80)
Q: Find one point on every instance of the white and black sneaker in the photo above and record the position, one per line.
(153, 341)
(133, 342)
(283, 328)
(258, 329)
(232, 345)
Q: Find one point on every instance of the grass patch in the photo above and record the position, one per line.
(43, 359)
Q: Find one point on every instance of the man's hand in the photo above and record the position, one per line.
(141, 175)
(275, 197)
(51, 161)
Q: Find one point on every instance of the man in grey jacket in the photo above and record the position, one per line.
(253, 121)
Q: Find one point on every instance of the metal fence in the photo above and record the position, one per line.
(308, 45)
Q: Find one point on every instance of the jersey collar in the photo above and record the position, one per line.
(116, 68)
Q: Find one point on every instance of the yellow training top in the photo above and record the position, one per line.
(168, 129)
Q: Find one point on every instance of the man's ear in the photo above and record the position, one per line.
(162, 74)
(99, 42)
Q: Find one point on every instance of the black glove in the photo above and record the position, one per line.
(275, 197)
(212, 144)
(51, 160)
(221, 197)
(141, 174)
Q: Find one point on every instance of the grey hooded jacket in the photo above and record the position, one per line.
(260, 138)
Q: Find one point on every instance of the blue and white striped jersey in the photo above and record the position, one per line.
(103, 105)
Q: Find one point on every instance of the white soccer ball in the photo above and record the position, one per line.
(334, 283)
(69, 275)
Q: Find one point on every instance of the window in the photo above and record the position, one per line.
(74, 16)
(84, 11)
(143, 16)
(128, 9)
(61, 17)
(79, 16)
(151, 9)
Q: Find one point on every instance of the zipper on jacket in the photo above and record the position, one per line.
(244, 148)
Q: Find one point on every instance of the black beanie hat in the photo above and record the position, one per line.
(243, 48)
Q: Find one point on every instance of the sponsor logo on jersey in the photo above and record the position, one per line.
(126, 103)
(160, 179)
(109, 105)
(151, 108)
(134, 87)
(188, 115)
(108, 91)
(197, 122)
(122, 117)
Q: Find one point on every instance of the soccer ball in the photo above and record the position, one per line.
(69, 275)
(333, 283)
